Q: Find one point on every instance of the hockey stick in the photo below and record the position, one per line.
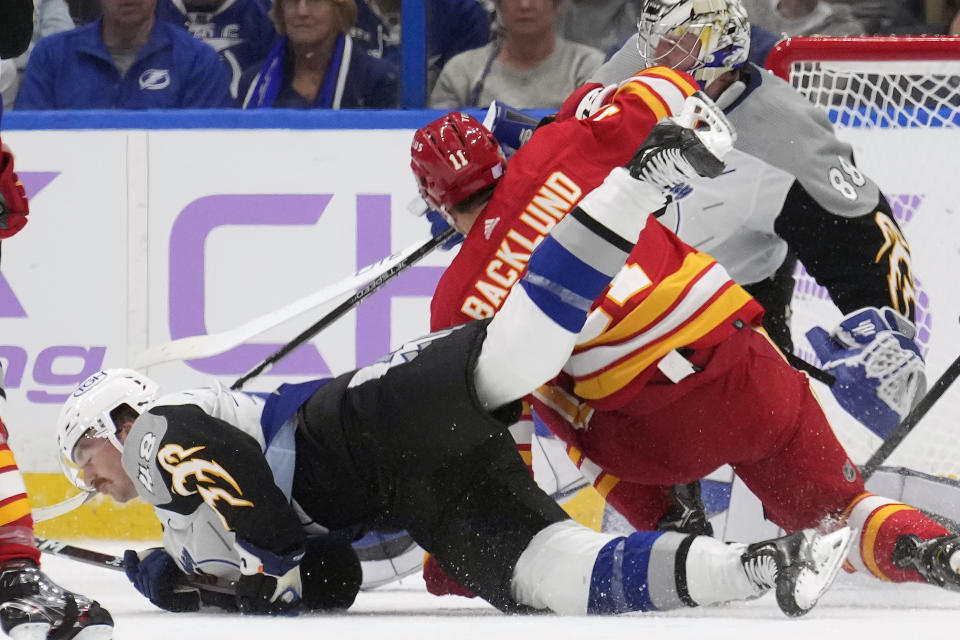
(906, 425)
(40, 514)
(107, 561)
(212, 344)
(814, 372)
(348, 304)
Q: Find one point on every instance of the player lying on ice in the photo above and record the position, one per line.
(671, 377)
(418, 441)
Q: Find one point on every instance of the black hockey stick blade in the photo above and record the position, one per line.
(911, 419)
(107, 561)
(814, 372)
(345, 306)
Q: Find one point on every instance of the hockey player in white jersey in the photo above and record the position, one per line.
(418, 442)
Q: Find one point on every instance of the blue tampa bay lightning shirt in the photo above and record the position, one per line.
(239, 30)
(74, 70)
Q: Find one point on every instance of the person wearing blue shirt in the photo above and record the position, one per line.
(315, 64)
(453, 26)
(239, 30)
(125, 60)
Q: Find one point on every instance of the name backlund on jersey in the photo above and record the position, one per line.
(667, 295)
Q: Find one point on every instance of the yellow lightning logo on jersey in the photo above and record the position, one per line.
(174, 459)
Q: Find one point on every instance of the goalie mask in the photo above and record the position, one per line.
(453, 158)
(87, 413)
(706, 38)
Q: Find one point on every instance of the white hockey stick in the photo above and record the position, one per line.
(215, 343)
(40, 514)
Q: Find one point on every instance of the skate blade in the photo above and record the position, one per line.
(829, 552)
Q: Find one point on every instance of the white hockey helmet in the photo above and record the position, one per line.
(87, 412)
(720, 27)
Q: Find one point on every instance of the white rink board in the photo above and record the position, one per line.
(246, 221)
(243, 221)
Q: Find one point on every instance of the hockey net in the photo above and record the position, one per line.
(895, 99)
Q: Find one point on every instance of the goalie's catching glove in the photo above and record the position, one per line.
(13, 199)
(680, 148)
(269, 583)
(154, 574)
(880, 373)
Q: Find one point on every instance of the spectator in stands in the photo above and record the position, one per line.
(804, 17)
(84, 11)
(239, 30)
(604, 24)
(125, 60)
(884, 17)
(528, 66)
(49, 17)
(954, 28)
(314, 64)
(453, 26)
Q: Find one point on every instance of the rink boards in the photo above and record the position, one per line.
(143, 234)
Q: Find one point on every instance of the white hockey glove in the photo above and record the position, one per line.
(680, 148)
(880, 373)
(594, 100)
(269, 583)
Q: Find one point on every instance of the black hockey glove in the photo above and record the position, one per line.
(685, 146)
(154, 574)
(269, 583)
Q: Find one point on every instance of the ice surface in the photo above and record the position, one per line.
(856, 607)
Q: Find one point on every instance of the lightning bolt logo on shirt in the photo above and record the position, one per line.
(178, 463)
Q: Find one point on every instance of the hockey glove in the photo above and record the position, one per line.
(13, 199)
(675, 152)
(269, 583)
(880, 373)
(154, 574)
(511, 127)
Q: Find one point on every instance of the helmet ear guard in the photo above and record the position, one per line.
(453, 158)
(720, 27)
(87, 413)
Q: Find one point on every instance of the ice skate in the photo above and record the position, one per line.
(937, 560)
(33, 607)
(800, 566)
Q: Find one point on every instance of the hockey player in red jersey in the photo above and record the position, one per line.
(418, 441)
(31, 605)
(671, 377)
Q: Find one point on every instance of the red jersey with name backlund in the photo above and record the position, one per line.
(668, 295)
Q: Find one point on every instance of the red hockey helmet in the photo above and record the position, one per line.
(454, 157)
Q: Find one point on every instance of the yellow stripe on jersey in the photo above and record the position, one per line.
(574, 454)
(647, 96)
(14, 510)
(661, 298)
(606, 484)
(577, 413)
(615, 378)
(869, 537)
(527, 456)
(7, 459)
(681, 81)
